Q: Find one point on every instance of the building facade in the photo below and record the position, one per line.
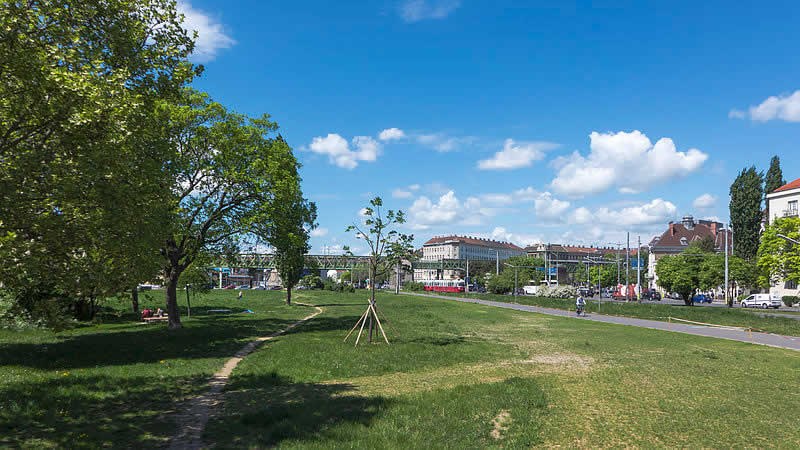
(462, 247)
(677, 238)
(783, 202)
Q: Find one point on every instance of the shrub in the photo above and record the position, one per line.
(557, 291)
(790, 300)
(414, 286)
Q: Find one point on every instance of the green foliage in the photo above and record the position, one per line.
(387, 246)
(81, 181)
(740, 271)
(312, 282)
(345, 276)
(414, 286)
(703, 245)
(230, 177)
(774, 178)
(745, 212)
(790, 300)
(502, 284)
(680, 273)
(779, 259)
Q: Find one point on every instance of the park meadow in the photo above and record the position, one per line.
(455, 375)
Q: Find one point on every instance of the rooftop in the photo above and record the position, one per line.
(469, 240)
(793, 185)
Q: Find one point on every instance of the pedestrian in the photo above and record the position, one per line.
(240, 295)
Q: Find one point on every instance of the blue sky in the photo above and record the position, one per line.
(557, 123)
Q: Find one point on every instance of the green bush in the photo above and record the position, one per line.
(312, 282)
(790, 300)
(414, 286)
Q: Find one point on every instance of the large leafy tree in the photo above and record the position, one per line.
(778, 258)
(288, 231)
(745, 211)
(80, 158)
(228, 174)
(680, 273)
(774, 178)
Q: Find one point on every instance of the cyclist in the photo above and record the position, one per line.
(580, 303)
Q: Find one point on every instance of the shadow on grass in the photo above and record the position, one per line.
(92, 411)
(204, 336)
(266, 410)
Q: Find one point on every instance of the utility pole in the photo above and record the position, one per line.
(497, 267)
(628, 269)
(639, 270)
(466, 284)
(727, 300)
(397, 280)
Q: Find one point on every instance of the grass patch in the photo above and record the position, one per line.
(459, 376)
(466, 376)
(653, 311)
(116, 382)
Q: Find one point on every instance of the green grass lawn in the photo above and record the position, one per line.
(116, 383)
(458, 376)
(654, 311)
(467, 376)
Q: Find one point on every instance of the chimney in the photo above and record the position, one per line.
(714, 228)
(671, 229)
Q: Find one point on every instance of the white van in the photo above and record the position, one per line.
(762, 301)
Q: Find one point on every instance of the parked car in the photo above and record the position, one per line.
(230, 286)
(701, 298)
(259, 288)
(278, 288)
(650, 294)
(244, 286)
(761, 301)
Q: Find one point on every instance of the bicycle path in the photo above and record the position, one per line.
(772, 340)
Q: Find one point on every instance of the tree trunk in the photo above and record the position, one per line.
(288, 295)
(135, 299)
(171, 276)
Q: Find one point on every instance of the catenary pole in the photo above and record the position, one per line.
(727, 300)
(628, 269)
(639, 270)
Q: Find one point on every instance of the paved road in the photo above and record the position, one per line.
(772, 340)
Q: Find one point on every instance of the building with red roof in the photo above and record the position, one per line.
(781, 203)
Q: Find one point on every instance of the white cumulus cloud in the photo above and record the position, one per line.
(211, 36)
(516, 155)
(655, 212)
(783, 107)
(628, 161)
(391, 134)
(547, 206)
(705, 201)
(319, 232)
(339, 152)
(417, 10)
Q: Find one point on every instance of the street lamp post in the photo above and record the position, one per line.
(515, 280)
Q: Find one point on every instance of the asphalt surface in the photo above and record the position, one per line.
(773, 340)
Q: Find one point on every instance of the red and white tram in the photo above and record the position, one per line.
(444, 285)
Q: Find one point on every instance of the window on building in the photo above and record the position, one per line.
(793, 207)
(684, 242)
(790, 284)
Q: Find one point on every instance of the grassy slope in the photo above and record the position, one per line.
(115, 383)
(460, 372)
(655, 311)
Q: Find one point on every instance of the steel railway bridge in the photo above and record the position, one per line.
(328, 262)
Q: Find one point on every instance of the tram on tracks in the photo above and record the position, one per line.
(444, 285)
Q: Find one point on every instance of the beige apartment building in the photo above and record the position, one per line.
(783, 202)
(462, 247)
